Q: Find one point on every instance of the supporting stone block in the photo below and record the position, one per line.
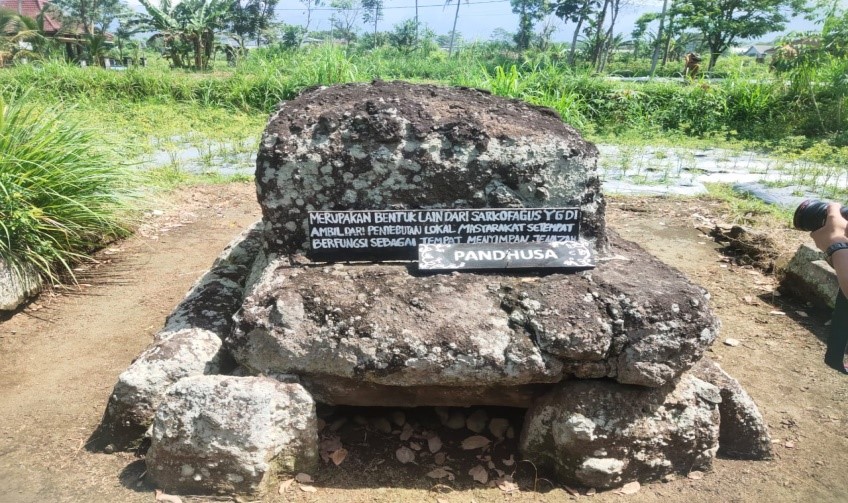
(231, 435)
(810, 277)
(188, 345)
(743, 433)
(141, 387)
(602, 434)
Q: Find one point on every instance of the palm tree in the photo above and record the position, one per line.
(21, 36)
(10, 24)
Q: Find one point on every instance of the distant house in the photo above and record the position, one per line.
(31, 9)
(70, 36)
(759, 52)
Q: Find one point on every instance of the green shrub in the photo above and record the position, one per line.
(60, 194)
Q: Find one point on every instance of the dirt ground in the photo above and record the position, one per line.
(60, 357)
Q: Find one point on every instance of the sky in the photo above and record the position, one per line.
(477, 18)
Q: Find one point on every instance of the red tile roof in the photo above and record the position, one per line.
(31, 8)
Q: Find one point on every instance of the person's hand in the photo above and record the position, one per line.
(835, 228)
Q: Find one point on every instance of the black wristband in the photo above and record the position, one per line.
(833, 249)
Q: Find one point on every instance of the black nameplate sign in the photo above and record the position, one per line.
(396, 234)
(568, 255)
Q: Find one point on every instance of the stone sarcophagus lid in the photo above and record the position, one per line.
(607, 358)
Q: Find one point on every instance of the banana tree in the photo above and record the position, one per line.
(204, 17)
(163, 21)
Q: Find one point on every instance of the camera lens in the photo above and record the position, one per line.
(811, 215)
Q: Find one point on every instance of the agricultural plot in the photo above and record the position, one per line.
(646, 170)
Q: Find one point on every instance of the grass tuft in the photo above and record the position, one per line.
(61, 194)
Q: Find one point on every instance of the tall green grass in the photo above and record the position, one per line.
(61, 195)
(750, 104)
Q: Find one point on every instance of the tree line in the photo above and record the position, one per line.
(189, 32)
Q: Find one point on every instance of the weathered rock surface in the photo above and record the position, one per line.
(16, 286)
(141, 387)
(601, 434)
(810, 277)
(743, 433)
(399, 145)
(218, 294)
(188, 345)
(633, 319)
(603, 358)
(221, 434)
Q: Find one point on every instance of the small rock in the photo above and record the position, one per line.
(434, 443)
(731, 342)
(498, 426)
(440, 458)
(629, 488)
(440, 473)
(476, 422)
(510, 433)
(109, 449)
(360, 420)
(382, 425)
(303, 478)
(339, 456)
(405, 455)
(398, 417)
(479, 474)
(475, 442)
(456, 420)
(407, 432)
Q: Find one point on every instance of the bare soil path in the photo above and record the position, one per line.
(60, 357)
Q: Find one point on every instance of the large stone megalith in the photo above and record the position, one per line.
(363, 333)
(602, 358)
(400, 145)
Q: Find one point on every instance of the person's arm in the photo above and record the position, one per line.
(835, 230)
